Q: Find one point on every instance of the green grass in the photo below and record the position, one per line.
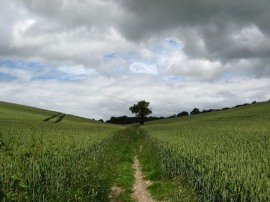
(224, 154)
(126, 144)
(125, 181)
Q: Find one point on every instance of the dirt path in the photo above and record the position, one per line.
(140, 193)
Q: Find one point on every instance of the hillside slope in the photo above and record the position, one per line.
(10, 111)
(252, 111)
(50, 156)
(224, 154)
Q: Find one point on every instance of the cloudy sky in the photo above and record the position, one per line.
(95, 58)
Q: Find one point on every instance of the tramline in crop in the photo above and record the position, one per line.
(51, 161)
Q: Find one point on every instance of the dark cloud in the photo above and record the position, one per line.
(156, 15)
(64, 15)
(7, 19)
(213, 24)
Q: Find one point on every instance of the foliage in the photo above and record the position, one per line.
(141, 109)
(195, 111)
(123, 120)
(130, 120)
(184, 113)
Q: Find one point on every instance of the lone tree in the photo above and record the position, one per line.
(141, 109)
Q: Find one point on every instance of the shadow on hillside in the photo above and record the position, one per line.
(47, 119)
(60, 118)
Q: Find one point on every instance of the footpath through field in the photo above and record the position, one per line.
(139, 175)
(140, 193)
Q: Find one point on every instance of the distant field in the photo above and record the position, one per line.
(224, 154)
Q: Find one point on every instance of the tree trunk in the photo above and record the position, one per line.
(142, 120)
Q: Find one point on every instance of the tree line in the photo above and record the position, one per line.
(142, 110)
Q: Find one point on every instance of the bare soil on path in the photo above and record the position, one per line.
(140, 193)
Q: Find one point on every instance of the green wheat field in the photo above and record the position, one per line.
(215, 156)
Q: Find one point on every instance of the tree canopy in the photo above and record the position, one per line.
(195, 111)
(141, 109)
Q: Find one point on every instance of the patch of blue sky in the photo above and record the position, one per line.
(9, 77)
(22, 64)
(43, 71)
(68, 77)
(166, 45)
(45, 77)
(78, 72)
(38, 70)
(56, 75)
(47, 73)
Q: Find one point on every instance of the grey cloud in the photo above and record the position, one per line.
(158, 15)
(7, 18)
(211, 22)
(81, 31)
(73, 14)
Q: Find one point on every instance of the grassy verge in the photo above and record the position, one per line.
(126, 143)
(163, 187)
(132, 141)
(124, 182)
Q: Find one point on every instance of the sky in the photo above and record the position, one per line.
(96, 58)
